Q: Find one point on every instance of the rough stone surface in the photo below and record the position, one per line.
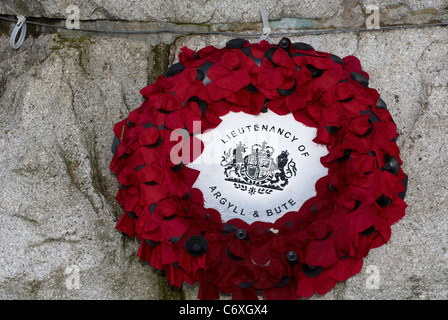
(190, 11)
(59, 102)
(230, 14)
(60, 95)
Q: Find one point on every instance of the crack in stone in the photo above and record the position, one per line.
(123, 97)
(423, 96)
(96, 180)
(75, 181)
(27, 219)
(53, 240)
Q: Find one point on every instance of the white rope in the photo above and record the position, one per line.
(266, 29)
(20, 26)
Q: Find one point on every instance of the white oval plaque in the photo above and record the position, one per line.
(257, 168)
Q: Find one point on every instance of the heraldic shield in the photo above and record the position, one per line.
(258, 168)
(259, 164)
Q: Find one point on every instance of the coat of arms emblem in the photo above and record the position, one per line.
(258, 171)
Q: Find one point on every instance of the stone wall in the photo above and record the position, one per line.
(62, 92)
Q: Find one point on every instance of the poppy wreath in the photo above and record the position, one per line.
(303, 252)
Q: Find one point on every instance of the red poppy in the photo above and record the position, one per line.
(126, 225)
